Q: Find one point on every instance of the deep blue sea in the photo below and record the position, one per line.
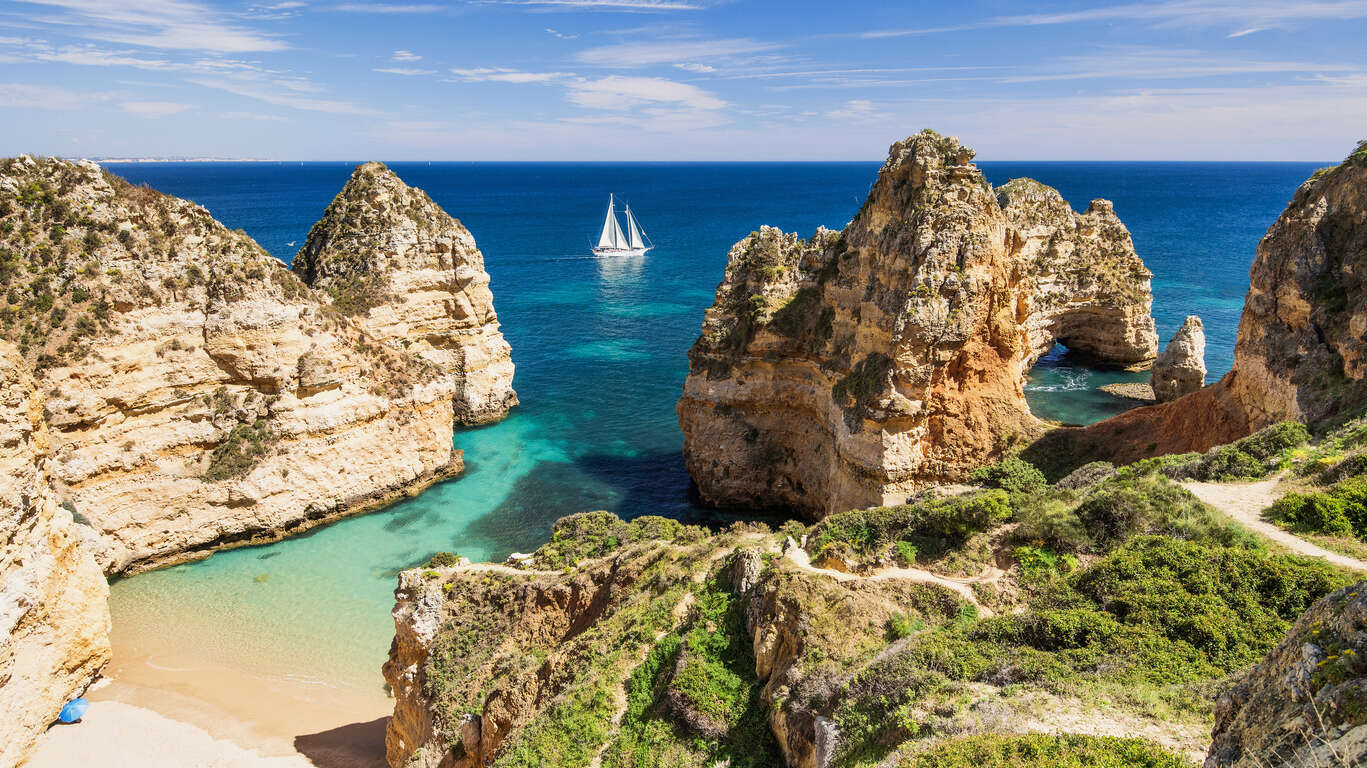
(600, 353)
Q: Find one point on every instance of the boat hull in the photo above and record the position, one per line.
(620, 251)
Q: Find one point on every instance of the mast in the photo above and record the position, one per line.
(633, 231)
(612, 236)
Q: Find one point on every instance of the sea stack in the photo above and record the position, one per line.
(1301, 353)
(54, 612)
(413, 277)
(1181, 369)
(198, 394)
(857, 367)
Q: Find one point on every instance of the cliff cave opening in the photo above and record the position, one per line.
(1066, 387)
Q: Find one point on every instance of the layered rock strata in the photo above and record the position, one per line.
(1181, 369)
(1301, 352)
(1306, 703)
(857, 367)
(412, 277)
(199, 395)
(54, 613)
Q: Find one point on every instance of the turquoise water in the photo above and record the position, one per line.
(600, 354)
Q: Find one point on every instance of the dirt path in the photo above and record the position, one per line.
(962, 586)
(1245, 503)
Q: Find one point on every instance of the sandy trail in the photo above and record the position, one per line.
(960, 585)
(1245, 503)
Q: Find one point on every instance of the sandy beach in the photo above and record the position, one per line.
(161, 706)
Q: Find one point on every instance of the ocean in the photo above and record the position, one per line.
(600, 353)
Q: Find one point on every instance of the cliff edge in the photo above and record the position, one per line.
(413, 278)
(857, 367)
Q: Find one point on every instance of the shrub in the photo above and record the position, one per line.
(1340, 511)
(244, 446)
(1012, 474)
(443, 560)
(1087, 476)
(901, 625)
(1038, 750)
(1052, 523)
(933, 524)
(906, 553)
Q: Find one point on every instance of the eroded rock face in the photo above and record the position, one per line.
(1306, 703)
(412, 276)
(855, 368)
(54, 613)
(1300, 353)
(1181, 369)
(199, 395)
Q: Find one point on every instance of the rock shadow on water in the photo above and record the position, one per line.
(522, 521)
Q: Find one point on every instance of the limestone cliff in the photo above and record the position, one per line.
(54, 616)
(1306, 703)
(413, 278)
(199, 395)
(856, 367)
(1181, 369)
(1300, 353)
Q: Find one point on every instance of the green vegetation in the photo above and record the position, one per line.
(1255, 456)
(245, 445)
(1341, 510)
(695, 699)
(925, 529)
(1044, 751)
(595, 534)
(443, 560)
(857, 390)
(1012, 474)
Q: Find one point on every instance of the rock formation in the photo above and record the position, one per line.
(1181, 369)
(1301, 353)
(54, 614)
(1306, 703)
(856, 367)
(413, 278)
(199, 395)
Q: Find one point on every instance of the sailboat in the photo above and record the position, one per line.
(613, 242)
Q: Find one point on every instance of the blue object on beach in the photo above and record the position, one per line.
(73, 711)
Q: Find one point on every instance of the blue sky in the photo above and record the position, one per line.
(681, 79)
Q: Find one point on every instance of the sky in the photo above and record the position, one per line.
(681, 79)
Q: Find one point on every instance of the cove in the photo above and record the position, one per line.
(600, 353)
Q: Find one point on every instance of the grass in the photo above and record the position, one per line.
(1039, 750)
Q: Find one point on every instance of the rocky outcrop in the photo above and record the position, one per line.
(1181, 369)
(54, 614)
(857, 367)
(199, 395)
(1300, 353)
(1306, 703)
(412, 277)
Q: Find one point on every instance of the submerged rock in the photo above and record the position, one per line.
(1306, 703)
(413, 277)
(1181, 369)
(199, 395)
(857, 367)
(54, 614)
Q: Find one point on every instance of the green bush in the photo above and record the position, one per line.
(1038, 750)
(1012, 474)
(245, 445)
(1123, 508)
(1339, 511)
(933, 526)
(1251, 457)
(596, 534)
(1051, 522)
(443, 560)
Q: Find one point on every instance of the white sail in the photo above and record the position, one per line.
(612, 236)
(633, 231)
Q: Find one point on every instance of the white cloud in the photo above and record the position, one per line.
(386, 8)
(670, 52)
(405, 71)
(270, 92)
(624, 93)
(855, 108)
(690, 66)
(1246, 14)
(30, 96)
(561, 35)
(153, 108)
(1162, 64)
(504, 75)
(406, 56)
(93, 57)
(167, 24)
(606, 5)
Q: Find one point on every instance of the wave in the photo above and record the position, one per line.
(1073, 381)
